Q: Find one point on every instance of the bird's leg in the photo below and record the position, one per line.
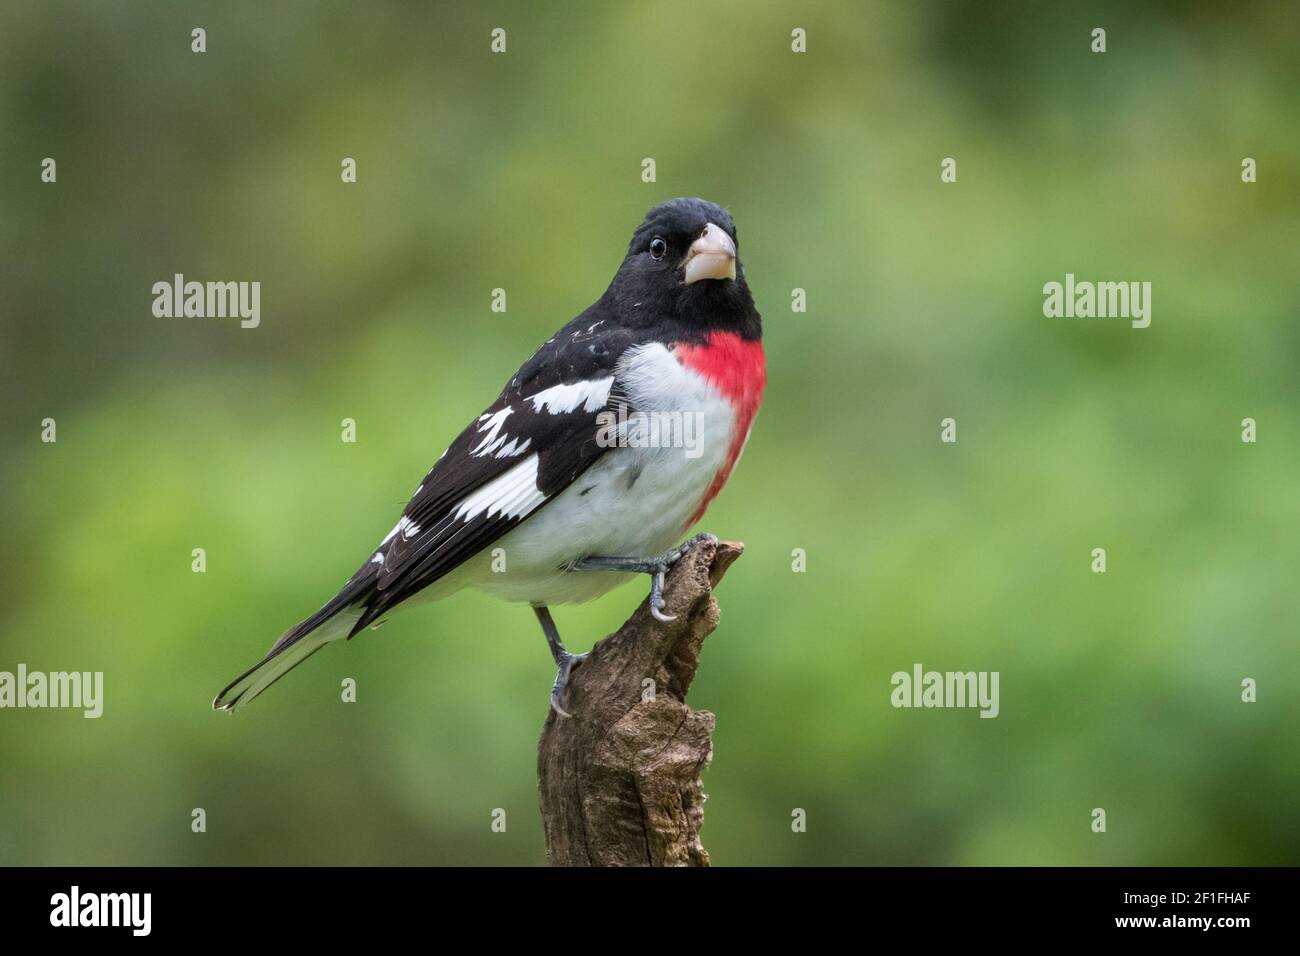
(655, 567)
(564, 661)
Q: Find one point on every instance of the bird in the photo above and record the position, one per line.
(565, 487)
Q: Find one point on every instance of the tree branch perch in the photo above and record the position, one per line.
(618, 782)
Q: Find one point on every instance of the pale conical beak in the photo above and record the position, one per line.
(712, 256)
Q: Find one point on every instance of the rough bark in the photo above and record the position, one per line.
(619, 781)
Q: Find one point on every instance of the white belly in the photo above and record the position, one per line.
(635, 501)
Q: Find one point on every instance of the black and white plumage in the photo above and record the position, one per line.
(676, 331)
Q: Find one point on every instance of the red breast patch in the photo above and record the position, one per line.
(737, 368)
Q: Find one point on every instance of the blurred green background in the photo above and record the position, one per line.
(522, 171)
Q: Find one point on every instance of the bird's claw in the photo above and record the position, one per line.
(680, 551)
(657, 601)
(567, 663)
(657, 568)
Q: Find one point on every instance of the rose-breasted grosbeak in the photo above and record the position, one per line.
(565, 486)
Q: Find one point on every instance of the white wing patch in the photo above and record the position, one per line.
(509, 450)
(492, 425)
(511, 495)
(406, 526)
(561, 399)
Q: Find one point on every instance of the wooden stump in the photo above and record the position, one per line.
(618, 782)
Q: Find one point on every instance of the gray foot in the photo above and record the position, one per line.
(655, 567)
(566, 665)
(564, 661)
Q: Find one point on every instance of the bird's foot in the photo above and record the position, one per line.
(656, 567)
(566, 663)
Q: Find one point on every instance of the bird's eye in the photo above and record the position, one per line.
(658, 248)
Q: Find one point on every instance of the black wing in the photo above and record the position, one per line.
(527, 447)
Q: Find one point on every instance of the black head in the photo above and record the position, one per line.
(683, 265)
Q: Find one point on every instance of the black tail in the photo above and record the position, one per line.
(338, 618)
